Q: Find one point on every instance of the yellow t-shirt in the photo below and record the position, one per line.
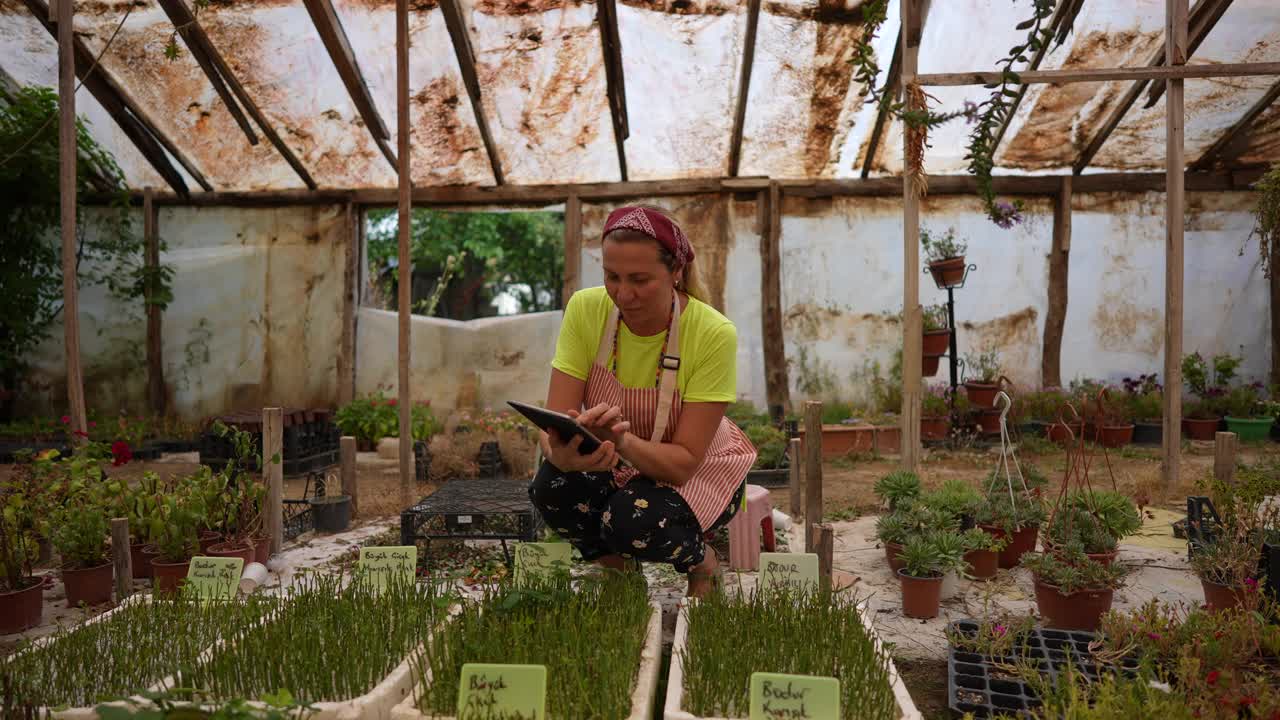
(708, 348)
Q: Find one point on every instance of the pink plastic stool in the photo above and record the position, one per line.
(745, 529)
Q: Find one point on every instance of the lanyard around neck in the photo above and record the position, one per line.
(614, 358)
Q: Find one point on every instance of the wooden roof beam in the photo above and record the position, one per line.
(611, 44)
(744, 87)
(149, 141)
(1205, 14)
(467, 66)
(181, 16)
(892, 89)
(1204, 17)
(1226, 147)
(327, 24)
(1121, 74)
(172, 10)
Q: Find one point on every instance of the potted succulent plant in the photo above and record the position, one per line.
(21, 593)
(1208, 382)
(982, 553)
(1112, 420)
(1146, 407)
(79, 530)
(1249, 416)
(945, 256)
(935, 413)
(1016, 517)
(957, 499)
(1228, 563)
(950, 547)
(1092, 522)
(1072, 591)
(897, 489)
(893, 531)
(923, 567)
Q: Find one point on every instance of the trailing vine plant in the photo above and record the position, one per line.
(1266, 218)
(987, 116)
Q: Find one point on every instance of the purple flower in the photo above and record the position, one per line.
(1000, 630)
(970, 112)
(1005, 214)
(1153, 636)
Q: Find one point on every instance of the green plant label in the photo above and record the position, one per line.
(784, 697)
(214, 578)
(502, 692)
(385, 565)
(791, 569)
(541, 559)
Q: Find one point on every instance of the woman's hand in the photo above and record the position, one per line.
(565, 456)
(604, 421)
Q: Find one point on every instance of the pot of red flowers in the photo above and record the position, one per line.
(1072, 591)
(921, 578)
(945, 255)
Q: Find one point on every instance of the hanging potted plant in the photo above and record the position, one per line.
(21, 593)
(1072, 591)
(945, 256)
(1093, 522)
(981, 555)
(937, 338)
(935, 413)
(79, 530)
(1146, 407)
(1015, 518)
(1249, 416)
(1114, 423)
(921, 578)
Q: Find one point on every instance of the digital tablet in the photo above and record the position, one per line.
(564, 426)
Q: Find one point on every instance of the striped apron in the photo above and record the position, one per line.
(654, 413)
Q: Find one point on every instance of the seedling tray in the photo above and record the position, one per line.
(642, 694)
(674, 710)
(473, 509)
(981, 684)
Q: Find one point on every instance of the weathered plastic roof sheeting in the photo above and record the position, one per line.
(1262, 144)
(681, 72)
(30, 57)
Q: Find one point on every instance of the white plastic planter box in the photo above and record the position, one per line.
(674, 710)
(642, 694)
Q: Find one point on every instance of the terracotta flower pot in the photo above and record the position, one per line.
(1197, 429)
(140, 561)
(936, 342)
(948, 273)
(242, 550)
(929, 365)
(981, 395)
(261, 549)
(1081, 610)
(989, 421)
(168, 577)
(921, 597)
(208, 538)
(935, 428)
(22, 609)
(1058, 432)
(1221, 597)
(1020, 543)
(893, 553)
(983, 564)
(91, 586)
(1114, 436)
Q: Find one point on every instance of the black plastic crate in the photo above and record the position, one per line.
(976, 683)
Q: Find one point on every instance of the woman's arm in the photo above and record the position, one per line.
(565, 392)
(674, 463)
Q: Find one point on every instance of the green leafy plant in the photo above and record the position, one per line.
(898, 488)
(1266, 217)
(934, 401)
(1147, 407)
(935, 318)
(770, 444)
(174, 525)
(1093, 521)
(809, 633)
(1230, 558)
(1071, 571)
(1245, 402)
(983, 366)
(921, 557)
(1010, 514)
(942, 246)
(1203, 377)
(950, 547)
(895, 528)
(978, 539)
(546, 622)
(956, 498)
(80, 528)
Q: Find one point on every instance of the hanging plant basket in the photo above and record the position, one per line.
(935, 428)
(936, 342)
(947, 273)
(929, 366)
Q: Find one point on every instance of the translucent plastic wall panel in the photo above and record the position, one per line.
(1056, 123)
(1248, 32)
(682, 75)
(30, 56)
(1262, 143)
(177, 97)
(858, 142)
(275, 51)
(445, 143)
(541, 71)
(803, 99)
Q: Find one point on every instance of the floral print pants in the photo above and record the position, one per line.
(641, 519)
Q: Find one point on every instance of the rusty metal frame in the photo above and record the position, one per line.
(616, 88)
(329, 26)
(467, 66)
(744, 87)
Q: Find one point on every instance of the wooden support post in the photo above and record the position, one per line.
(350, 481)
(1224, 457)
(273, 469)
(406, 261)
(1275, 313)
(826, 545)
(912, 326)
(813, 470)
(572, 248)
(67, 149)
(121, 558)
(347, 345)
(155, 343)
(1175, 171)
(797, 483)
(1055, 318)
(777, 390)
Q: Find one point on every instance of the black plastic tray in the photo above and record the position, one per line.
(977, 684)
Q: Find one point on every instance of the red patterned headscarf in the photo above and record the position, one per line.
(655, 225)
